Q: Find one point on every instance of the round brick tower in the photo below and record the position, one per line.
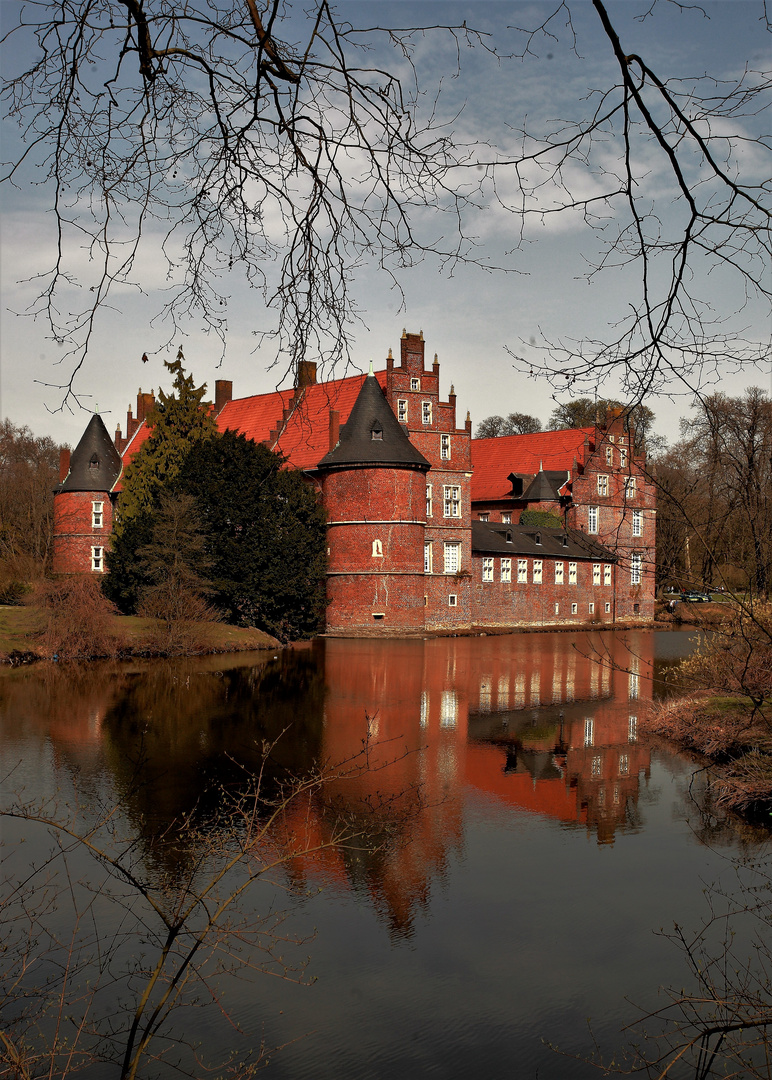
(83, 510)
(374, 490)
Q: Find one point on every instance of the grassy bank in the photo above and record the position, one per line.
(20, 639)
(724, 733)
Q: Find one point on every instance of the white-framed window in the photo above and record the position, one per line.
(624, 764)
(574, 609)
(415, 384)
(591, 608)
(596, 765)
(572, 573)
(602, 484)
(522, 571)
(97, 515)
(630, 487)
(428, 500)
(592, 519)
(452, 552)
(537, 571)
(637, 523)
(611, 438)
(596, 573)
(427, 557)
(558, 573)
(635, 568)
(487, 569)
(445, 447)
(377, 549)
(557, 609)
(453, 600)
(485, 517)
(506, 569)
(506, 518)
(451, 501)
(632, 729)
(402, 411)
(589, 731)
(609, 455)
(623, 457)
(98, 560)
(426, 412)
(607, 608)
(607, 573)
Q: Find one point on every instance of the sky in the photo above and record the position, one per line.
(470, 318)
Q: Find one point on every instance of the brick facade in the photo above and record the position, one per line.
(421, 540)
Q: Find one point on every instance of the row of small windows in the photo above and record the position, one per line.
(451, 501)
(599, 570)
(622, 456)
(593, 520)
(402, 411)
(631, 486)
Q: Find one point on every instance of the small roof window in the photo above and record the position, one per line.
(93, 462)
(376, 434)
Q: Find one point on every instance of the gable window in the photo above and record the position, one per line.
(451, 501)
(451, 560)
(596, 573)
(97, 515)
(427, 558)
(506, 519)
(637, 523)
(506, 569)
(537, 571)
(559, 573)
(428, 500)
(402, 411)
(426, 412)
(445, 447)
(98, 560)
(522, 571)
(487, 569)
(609, 456)
(592, 519)
(415, 384)
(602, 485)
(607, 574)
(635, 568)
(630, 487)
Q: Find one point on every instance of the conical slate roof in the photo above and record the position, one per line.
(545, 486)
(373, 435)
(95, 464)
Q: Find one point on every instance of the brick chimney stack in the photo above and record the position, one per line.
(64, 463)
(223, 393)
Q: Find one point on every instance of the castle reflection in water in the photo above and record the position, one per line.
(538, 724)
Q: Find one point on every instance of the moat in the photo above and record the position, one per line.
(519, 843)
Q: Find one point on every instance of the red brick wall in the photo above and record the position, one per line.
(74, 531)
(375, 549)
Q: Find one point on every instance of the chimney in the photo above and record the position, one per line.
(223, 393)
(334, 428)
(452, 403)
(145, 405)
(64, 463)
(118, 440)
(306, 375)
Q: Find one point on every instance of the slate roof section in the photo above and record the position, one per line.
(493, 460)
(372, 435)
(494, 538)
(545, 487)
(95, 464)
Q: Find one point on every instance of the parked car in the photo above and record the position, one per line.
(694, 597)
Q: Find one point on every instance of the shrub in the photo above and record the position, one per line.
(75, 618)
(545, 518)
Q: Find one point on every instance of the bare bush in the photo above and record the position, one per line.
(76, 618)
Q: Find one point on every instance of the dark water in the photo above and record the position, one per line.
(518, 848)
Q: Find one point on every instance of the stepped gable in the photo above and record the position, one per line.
(95, 464)
(372, 435)
(552, 451)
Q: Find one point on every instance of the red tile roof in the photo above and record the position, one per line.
(494, 459)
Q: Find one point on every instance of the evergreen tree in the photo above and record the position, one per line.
(266, 533)
(178, 421)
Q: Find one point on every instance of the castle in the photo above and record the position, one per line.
(426, 526)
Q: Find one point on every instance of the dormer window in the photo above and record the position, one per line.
(377, 433)
(538, 538)
(509, 537)
(565, 541)
(93, 462)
